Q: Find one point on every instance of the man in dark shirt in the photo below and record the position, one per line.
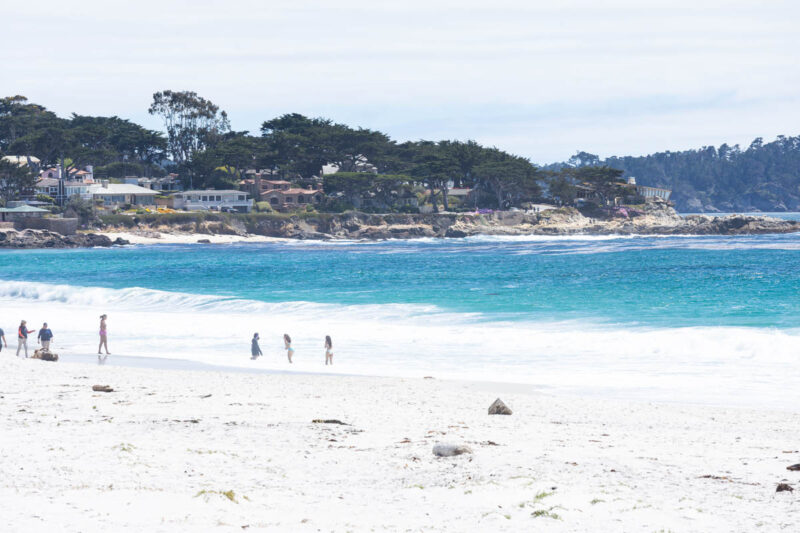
(45, 336)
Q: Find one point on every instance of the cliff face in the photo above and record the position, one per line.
(653, 218)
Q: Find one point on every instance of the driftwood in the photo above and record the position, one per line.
(331, 421)
(102, 388)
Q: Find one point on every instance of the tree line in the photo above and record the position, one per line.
(765, 176)
(199, 144)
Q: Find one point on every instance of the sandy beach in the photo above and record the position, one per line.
(183, 238)
(178, 450)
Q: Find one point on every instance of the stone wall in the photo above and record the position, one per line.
(64, 226)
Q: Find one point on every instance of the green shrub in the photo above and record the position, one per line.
(118, 220)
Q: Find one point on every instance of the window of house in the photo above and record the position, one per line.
(241, 198)
(301, 199)
(289, 200)
(219, 198)
(205, 198)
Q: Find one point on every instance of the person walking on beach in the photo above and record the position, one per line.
(45, 336)
(255, 348)
(22, 337)
(3, 339)
(328, 350)
(287, 342)
(103, 336)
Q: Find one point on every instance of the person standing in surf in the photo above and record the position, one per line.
(255, 349)
(22, 337)
(287, 342)
(103, 336)
(328, 350)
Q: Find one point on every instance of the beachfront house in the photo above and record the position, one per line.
(213, 200)
(113, 195)
(255, 186)
(292, 198)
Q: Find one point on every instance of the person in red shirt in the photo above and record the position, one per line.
(22, 337)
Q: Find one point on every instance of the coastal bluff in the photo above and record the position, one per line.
(651, 219)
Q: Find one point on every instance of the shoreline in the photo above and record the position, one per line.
(222, 451)
(655, 220)
(495, 386)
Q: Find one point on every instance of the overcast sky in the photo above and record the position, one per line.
(541, 79)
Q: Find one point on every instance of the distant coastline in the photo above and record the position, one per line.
(655, 219)
(225, 228)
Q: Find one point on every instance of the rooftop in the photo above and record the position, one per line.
(23, 209)
(214, 191)
(119, 188)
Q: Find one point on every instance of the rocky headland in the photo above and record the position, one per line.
(31, 238)
(651, 219)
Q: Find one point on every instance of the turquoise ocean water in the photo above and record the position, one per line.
(652, 317)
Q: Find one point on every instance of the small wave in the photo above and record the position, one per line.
(139, 298)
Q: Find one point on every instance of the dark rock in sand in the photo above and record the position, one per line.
(119, 241)
(102, 388)
(330, 421)
(794, 468)
(783, 487)
(203, 241)
(499, 408)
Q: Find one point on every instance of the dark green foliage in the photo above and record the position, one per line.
(765, 176)
(14, 180)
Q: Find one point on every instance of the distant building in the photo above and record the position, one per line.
(47, 186)
(21, 160)
(653, 192)
(112, 195)
(256, 186)
(165, 185)
(287, 198)
(225, 200)
(22, 211)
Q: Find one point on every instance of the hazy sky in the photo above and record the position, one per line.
(541, 79)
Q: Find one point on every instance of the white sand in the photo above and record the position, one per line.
(139, 459)
(185, 238)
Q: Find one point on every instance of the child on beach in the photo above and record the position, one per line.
(287, 342)
(255, 349)
(22, 337)
(103, 336)
(328, 350)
